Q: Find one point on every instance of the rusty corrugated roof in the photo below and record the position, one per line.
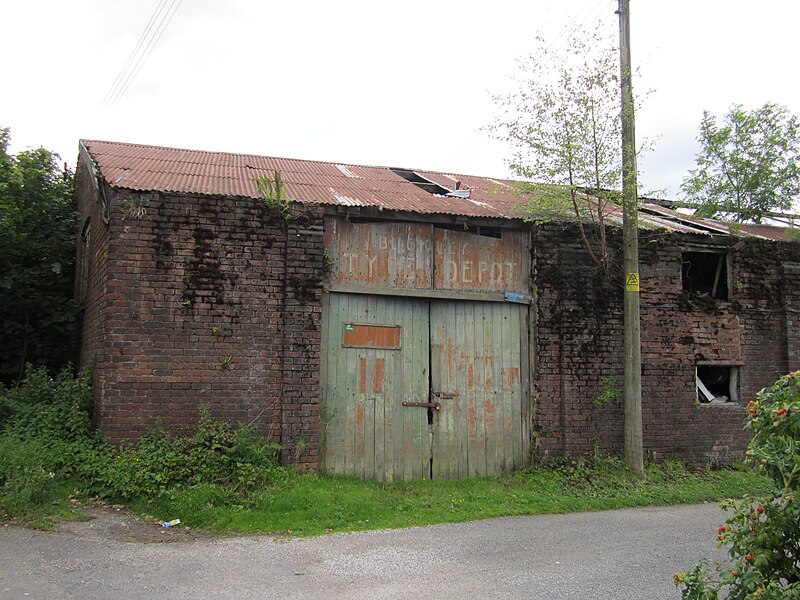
(153, 168)
(158, 169)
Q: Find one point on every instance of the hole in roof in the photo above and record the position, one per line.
(422, 183)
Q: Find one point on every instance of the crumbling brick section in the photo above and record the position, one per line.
(210, 302)
(579, 331)
(302, 325)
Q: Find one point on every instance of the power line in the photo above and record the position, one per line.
(113, 89)
(166, 18)
(159, 21)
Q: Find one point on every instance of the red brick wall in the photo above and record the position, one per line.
(91, 273)
(302, 327)
(214, 302)
(579, 342)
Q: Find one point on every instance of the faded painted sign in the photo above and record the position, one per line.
(424, 256)
(465, 261)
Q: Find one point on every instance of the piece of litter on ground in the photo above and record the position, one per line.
(171, 523)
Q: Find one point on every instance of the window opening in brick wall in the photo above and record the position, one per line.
(717, 384)
(705, 273)
(84, 266)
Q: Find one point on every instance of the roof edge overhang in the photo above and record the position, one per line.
(383, 214)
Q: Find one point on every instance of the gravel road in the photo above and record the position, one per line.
(619, 554)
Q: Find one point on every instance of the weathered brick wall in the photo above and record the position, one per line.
(578, 329)
(767, 290)
(790, 294)
(302, 326)
(204, 309)
(579, 344)
(91, 272)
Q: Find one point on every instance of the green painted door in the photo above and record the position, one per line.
(417, 388)
(376, 357)
(476, 374)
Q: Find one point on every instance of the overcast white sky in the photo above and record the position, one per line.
(398, 84)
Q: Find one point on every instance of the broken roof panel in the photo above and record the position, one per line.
(158, 169)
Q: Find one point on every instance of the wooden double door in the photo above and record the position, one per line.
(419, 388)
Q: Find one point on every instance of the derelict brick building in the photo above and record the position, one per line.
(406, 324)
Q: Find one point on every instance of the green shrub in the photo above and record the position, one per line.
(47, 439)
(26, 478)
(160, 463)
(764, 532)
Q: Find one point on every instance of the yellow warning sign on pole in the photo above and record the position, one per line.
(632, 282)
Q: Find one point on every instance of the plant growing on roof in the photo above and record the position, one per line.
(563, 121)
(273, 192)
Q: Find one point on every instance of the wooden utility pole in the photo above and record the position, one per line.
(634, 455)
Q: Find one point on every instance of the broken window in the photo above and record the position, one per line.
(705, 273)
(717, 384)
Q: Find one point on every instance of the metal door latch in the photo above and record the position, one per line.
(431, 405)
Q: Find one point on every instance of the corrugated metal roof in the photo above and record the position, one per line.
(152, 168)
(155, 168)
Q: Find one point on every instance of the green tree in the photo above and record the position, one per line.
(564, 124)
(747, 164)
(37, 249)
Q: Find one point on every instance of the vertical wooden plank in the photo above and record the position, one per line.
(323, 374)
(335, 391)
(421, 385)
(379, 414)
(445, 421)
(350, 385)
(526, 389)
(514, 397)
(395, 445)
(459, 405)
(499, 341)
(371, 399)
(341, 392)
(440, 417)
(493, 395)
(479, 342)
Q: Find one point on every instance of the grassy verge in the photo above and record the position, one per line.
(308, 505)
(217, 477)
